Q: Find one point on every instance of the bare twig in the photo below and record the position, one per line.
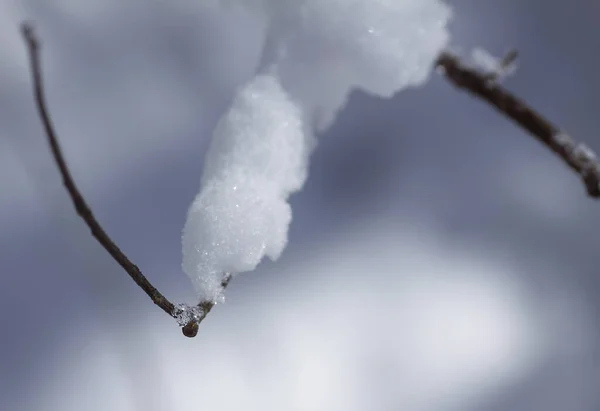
(577, 156)
(83, 210)
(80, 204)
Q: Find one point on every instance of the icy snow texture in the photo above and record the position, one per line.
(257, 158)
(315, 52)
(494, 66)
(184, 313)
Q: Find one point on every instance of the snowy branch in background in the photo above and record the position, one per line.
(577, 155)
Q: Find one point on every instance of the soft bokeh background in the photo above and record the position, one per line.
(439, 258)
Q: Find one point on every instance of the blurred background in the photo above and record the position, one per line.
(439, 258)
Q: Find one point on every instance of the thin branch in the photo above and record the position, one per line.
(83, 210)
(576, 155)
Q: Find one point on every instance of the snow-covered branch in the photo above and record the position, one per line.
(261, 147)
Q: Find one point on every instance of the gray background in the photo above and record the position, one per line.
(430, 183)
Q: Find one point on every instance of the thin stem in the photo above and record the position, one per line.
(83, 210)
(79, 202)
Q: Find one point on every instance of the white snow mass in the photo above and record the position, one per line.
(315, 53)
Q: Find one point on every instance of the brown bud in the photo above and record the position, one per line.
(190, 329)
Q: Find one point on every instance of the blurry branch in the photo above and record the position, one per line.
(576, 155)
(190, 327)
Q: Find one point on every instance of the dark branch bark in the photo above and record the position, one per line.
(81, 206)
(576, 155)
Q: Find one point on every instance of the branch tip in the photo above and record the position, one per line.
(190, 330)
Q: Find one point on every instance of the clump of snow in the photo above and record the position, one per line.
(257, 158)
(497, 68)
(315, 53)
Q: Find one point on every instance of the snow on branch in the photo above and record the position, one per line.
(315, 53)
